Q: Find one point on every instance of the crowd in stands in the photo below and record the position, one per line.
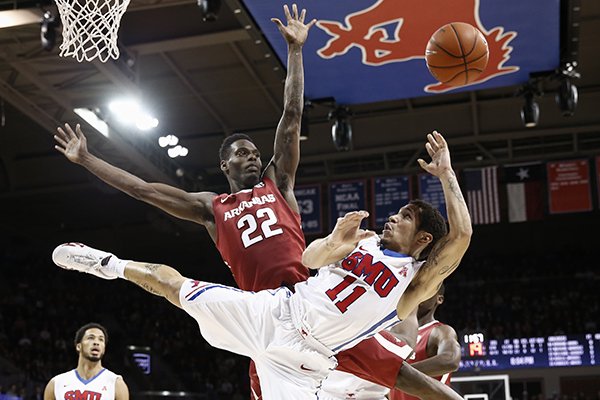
(527, 295)
(42, 306)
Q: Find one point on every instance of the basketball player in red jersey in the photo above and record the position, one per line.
(437, 352)
(260, 216)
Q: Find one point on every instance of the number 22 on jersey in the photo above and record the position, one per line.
(258, 227)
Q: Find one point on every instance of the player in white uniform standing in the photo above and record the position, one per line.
(90, 380)
(364, 288)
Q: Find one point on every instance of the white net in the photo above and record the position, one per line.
(90, 28)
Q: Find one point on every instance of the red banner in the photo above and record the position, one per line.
(569, 186)
(598, 177)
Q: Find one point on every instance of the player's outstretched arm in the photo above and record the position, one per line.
(196, 207)
(408, 329)
(418, 384)
(286, 153)
(445, 344)
(449, 250)
(339, 243)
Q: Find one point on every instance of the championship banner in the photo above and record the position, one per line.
(309, 203)
(345, 197)
(431, 191)
(389, 195)
(598, 176)
(569, 186)
(482, 195)
(524, 188)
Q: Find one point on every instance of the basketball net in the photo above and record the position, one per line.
(90, 28)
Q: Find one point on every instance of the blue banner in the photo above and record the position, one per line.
(345, 197)
(364, 51)
(309, 203)
(389, 195)
(430, 190)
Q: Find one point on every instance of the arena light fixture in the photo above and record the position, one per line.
(131, 112)
(169, 140)
(530, 113)
(10, 18)
(567, 97)
(49, 23)
(92, 118)
(341, 130)
(177, 151)
(210, 9)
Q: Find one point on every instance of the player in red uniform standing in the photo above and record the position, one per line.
(437, 353)
(257, 209)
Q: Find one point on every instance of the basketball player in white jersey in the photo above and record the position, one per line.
(364, 288)
(90, 380)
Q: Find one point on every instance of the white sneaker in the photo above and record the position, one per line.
(79, 257)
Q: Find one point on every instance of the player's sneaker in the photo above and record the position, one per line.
(79, 257)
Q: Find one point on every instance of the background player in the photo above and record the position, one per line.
(437, 352)
(90, 380)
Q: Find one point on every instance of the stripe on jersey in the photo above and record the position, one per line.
(445, 378)
(374, 329)
(401, 351)
(86, 381)
(213, 286)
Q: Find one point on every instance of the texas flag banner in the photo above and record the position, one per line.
(569, 186)
(524, 187)
(482, 195)
(598, 174)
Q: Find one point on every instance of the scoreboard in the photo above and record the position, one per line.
(534, 352)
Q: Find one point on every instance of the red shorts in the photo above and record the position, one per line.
(377, 359)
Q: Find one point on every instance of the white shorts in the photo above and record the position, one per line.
(259, 325)
(343, 386)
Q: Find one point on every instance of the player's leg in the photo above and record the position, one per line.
(422, 386)
(157, 279)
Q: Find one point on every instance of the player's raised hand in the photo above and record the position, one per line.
(296, 31)
(347, 228)
(438, 150)
(72, 143)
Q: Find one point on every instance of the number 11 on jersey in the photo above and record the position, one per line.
(343, 304)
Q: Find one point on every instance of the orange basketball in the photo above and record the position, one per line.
(457, 54)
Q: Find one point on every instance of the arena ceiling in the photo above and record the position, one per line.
(205, 80)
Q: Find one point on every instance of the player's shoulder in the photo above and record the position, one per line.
(443, 330)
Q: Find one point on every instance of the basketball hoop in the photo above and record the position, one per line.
(90, 28)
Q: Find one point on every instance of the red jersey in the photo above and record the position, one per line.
(419, 355)
(260, 237)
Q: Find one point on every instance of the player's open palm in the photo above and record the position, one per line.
(296, 31)
(72, 143)
(437, 148)
(347, 228)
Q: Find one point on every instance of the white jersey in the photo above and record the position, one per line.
(354, 298)
(71, 386)
(344, 386)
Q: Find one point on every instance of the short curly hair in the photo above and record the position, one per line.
(225, 149)
(81, 331)
(431, 221)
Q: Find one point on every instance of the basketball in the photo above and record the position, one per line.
(457, 54)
